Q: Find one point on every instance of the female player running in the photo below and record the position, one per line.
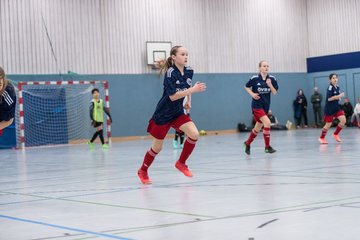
(170, 112)
(259, 88)
(333, 110)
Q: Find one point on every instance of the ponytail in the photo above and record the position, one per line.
(165, 65)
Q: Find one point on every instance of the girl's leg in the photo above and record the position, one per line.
(192, 134)
(267, 123)
(254, 132)
(339, 127)
(148, 160)
(324, 131)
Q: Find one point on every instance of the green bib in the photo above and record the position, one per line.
(98, 111)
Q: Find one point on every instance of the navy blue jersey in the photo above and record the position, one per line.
(332, 107)
(7, 103)
(258, 85)
(167, 110)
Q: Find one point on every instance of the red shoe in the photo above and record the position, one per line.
(323, 141)
(337, 138)
(184, 169)
(0, 132)
(144, 177)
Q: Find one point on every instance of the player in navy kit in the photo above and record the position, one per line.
(333, 110)
(260, 87)
(7, 101)
(169, 112)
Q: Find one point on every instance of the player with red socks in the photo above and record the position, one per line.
(170, 112)
(7, 101)
(260, 87)
(333, 110)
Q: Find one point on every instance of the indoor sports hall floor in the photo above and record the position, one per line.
(303, 191)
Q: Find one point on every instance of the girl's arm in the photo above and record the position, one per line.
(187, 105)
(198, 87)
(336, 97)
(252, 94)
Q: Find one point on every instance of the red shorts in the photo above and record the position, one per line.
(258, 113)
(330, 118)
(160, 131)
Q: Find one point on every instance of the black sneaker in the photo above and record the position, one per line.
(269, 150)
(247, 148)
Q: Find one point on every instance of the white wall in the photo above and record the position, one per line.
(128, 24)
(73, 26)
(108, 36)
(333, 26)
(241, 33)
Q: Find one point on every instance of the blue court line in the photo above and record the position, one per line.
(63, 227)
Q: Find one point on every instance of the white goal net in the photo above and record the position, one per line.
(51, 113)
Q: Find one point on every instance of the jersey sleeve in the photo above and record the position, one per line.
(9, 96)
(190, 72)
(329, 92)
(170, 83)
(274, 83)
(8, 103)
(249, 83)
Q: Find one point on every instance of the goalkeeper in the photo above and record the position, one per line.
(96, 115)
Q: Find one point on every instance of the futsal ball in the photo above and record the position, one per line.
(202, 132)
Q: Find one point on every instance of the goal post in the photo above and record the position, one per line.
(57, 112)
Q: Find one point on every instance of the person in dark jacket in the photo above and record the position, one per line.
(300, 109)
(348, 110)
(316, 100)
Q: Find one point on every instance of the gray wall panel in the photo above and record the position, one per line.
(108, 36)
